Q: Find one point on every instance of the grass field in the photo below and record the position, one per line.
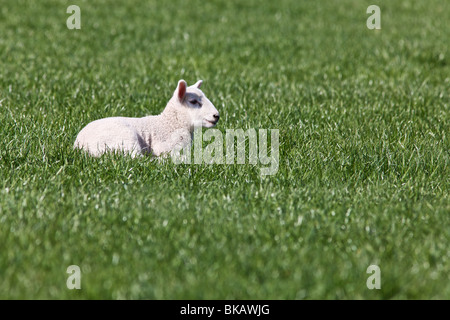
(363, 179)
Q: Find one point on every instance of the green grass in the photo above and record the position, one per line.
(364, 151)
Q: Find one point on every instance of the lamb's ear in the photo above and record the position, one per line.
(198, 84)
(181, 89)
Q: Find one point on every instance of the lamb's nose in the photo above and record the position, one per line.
(216, 116)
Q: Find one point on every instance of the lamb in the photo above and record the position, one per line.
(152, 135)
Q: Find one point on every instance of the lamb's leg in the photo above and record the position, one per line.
(177, 141)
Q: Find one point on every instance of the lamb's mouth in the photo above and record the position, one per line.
(212, 122)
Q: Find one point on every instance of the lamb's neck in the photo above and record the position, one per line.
(174, 120)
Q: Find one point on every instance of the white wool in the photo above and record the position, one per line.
(152, 135)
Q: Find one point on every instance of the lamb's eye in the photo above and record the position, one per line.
(193, 101)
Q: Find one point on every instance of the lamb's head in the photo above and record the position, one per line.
(196, 105)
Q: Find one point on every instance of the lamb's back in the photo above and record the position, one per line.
(115, 133)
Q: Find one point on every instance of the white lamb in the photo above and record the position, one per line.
(153, 135)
